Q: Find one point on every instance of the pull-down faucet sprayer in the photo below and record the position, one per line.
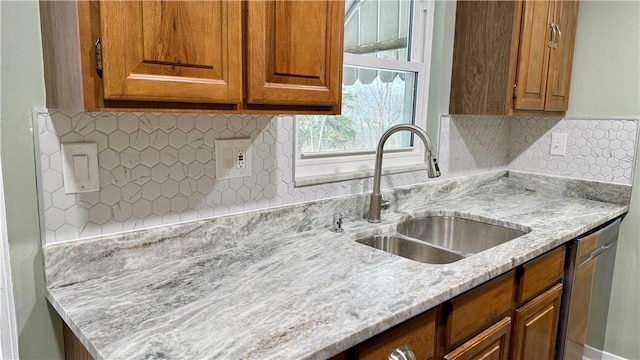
(377, 203)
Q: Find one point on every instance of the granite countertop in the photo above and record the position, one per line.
(262, 289)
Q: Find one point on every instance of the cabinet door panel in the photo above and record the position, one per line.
(298, 45)
(174, 23)
(186, 51)
(536, 325)
(294, 52)
(491, 344)
(561, 57)
(533, 58)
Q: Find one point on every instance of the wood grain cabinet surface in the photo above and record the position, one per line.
(536, 326)
(491, 344)
(513, 57)
(275, 56)
(470, 313)
(418, 333)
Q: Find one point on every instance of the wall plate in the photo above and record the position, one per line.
(80, 167)
(558, 144)
(233, 158)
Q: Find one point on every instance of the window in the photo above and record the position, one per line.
(385, 81)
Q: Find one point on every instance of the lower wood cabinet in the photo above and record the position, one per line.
(475, 310)
(491, 344)
(539, 274)
(416, 335)
(73, 348)
(536, 326)
(514, 316)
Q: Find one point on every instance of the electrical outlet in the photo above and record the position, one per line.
(240, 157)
(233, 158)
(558, 144)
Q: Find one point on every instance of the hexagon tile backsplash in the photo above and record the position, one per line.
(597, 149)
(160, 168)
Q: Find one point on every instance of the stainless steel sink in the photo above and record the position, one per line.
(459, 234)
(410, 249)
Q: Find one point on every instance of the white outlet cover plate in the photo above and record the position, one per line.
(227, 166)
(76, 158)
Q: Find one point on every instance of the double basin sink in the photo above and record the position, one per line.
(441, 239)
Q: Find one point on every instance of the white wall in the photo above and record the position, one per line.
(22, 86)
(606, 82)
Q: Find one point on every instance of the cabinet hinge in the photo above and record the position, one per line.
(515, 91)
(98, 49)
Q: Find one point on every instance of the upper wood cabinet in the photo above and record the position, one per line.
(276, 56)
(513, 57)
(294, 50)
(186, 51)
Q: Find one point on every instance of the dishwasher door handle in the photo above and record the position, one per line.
(598, 251)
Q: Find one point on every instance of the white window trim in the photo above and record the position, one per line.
(361, 165)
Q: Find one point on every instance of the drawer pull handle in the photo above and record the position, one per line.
(404, 352)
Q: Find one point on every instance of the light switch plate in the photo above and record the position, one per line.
(233, 158)
(558, 144)
(80, 167)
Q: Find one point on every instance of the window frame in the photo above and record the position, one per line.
(327, 164)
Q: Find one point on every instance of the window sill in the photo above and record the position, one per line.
(354, 175)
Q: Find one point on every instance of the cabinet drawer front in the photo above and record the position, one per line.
(492, 343)
(539, 274)
(479, 308)
(418, 332)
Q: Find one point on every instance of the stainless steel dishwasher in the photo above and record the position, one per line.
(585, 302)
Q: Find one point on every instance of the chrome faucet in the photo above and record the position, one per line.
(377, 203)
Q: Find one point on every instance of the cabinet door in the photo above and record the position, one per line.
(536, 325)
(177, 51)
(491, 344)
(294, 52)
(484, 57)
(533, 57)
(561, 56)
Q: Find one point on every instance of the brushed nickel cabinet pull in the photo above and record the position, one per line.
(553, 35)
(555, 45)
(404, 352)
(98, 53)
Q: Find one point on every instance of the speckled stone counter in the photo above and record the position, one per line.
(277, 284)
